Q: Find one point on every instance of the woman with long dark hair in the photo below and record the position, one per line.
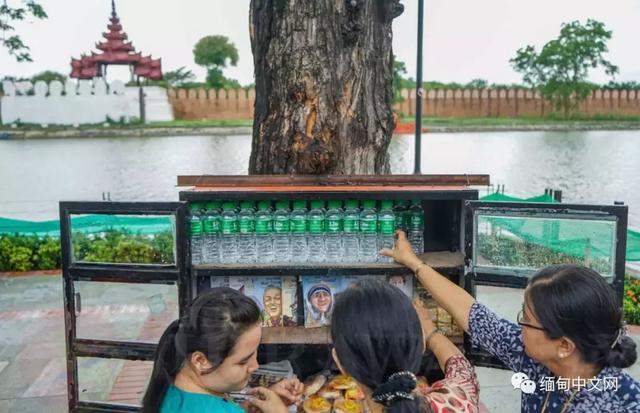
(379, 339)
(569, 341)
(207, 354)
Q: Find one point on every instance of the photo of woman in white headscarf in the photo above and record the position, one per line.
(319, 305)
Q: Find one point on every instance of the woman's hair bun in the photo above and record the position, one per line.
(623, 354)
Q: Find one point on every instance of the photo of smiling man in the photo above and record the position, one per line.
(272, 301)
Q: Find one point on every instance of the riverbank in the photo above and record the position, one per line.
(244, 127)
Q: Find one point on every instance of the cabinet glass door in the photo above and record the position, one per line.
(125, 280)
(506, 243)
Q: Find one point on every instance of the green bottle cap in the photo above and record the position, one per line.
(229, 206)
(282, 205)
(386, 204)
(351, 203)
(335, 204)
(264, 205)
(369, 203)
(401, 202)
(213, 205)
(416, 202)
(317, 204)
(299, 204)
(247, 205)
(194, 206)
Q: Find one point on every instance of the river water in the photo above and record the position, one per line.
(589, 167)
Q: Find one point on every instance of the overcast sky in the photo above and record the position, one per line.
(464, 39)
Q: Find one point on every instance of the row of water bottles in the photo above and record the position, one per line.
(295, 232)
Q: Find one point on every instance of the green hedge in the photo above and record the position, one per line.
(511, 252)
(31, 253)
(28, 253)
(124, 247)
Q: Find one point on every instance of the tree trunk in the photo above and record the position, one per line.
(324, 93)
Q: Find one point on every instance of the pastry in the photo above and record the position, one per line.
(328, 392)
(316, 404)
(347, 406)
(313, 384)
(354, 394)
(343, 382)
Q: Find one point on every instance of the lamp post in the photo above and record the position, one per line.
(419, 91)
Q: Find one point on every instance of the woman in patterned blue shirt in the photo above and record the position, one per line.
(569, 340)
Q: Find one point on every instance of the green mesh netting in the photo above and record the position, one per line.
(89, 224)
(582, 239)
(633, 246)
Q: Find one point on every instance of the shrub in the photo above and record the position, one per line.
(48, 255)
(631, 304)
(21, 259)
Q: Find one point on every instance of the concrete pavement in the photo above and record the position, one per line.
(32, 349)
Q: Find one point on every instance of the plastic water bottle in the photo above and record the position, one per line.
(351, 232)
(281, 232)
(264, 232)
(317, 232)
(333, 240)
(211, 229)
(386, 229)
(229, 234)
(416, 227)
(368, 232)
(299, 227)
(195, 229)
(401, 211)
(247, 232)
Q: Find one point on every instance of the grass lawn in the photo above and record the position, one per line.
(442, 122)
(138, 125)
(523, 121)
(201, 123)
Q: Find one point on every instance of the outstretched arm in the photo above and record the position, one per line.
(499, 337)
(450, 296)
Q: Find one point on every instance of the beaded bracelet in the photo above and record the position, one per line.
(431, 334)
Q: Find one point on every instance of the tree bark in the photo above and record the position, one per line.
(324, 93)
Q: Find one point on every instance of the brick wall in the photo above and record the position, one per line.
(513, 103)
(198, 104)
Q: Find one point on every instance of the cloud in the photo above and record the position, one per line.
(463, 39)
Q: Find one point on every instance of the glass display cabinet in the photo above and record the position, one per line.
(137, 270)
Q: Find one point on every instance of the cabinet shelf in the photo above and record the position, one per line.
(295, 335)
(443, 260)
(302, 335)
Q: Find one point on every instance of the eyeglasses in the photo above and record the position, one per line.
(523, 323)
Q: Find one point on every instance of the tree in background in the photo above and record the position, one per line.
(9, 15)
(560, 70)
(477, 84)
(324, 86)
(399, 70)
(178, 77)
(215, 53)
(49, 76)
